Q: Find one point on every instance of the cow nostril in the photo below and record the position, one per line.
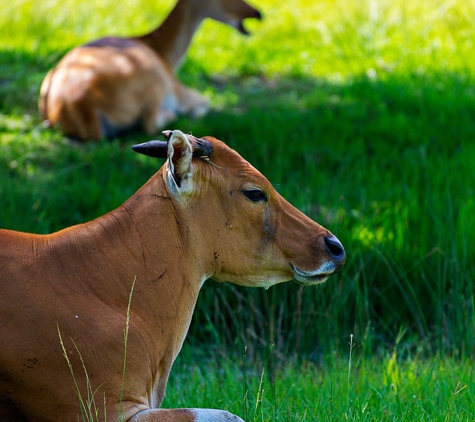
(334, 248)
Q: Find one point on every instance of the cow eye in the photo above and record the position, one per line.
(255, 195)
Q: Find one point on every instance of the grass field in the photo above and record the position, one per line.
(375, 390)
(362, 114)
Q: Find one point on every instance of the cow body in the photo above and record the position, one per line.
(112, 85)
(81, 287)
(190, 222)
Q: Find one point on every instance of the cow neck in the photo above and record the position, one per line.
(142, 241)
(173, 37)
(171, 272)
(162, 235)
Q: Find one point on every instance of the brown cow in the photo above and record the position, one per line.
(207, 213)
(115, 84)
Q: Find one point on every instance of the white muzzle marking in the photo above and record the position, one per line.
(314, 277)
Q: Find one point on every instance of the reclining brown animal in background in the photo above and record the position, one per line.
(207, 213)
(112, 85)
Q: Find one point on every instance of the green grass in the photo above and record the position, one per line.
(362, 114)
(378, 390)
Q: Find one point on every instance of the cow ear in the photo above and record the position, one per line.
(179, 162)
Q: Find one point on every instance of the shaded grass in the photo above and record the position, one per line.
(394, 189)
(384, 167)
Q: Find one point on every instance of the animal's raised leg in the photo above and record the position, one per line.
(160, 109)
(185, 415)
(157, 119)
(163, 108)
(190, 101)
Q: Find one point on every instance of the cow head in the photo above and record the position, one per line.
(231, 12)
(253, 236)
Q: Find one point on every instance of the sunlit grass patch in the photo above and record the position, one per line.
(376, 389)
(334, 39)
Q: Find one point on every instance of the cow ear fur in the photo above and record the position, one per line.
(179, 162)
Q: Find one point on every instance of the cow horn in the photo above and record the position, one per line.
(156, 149)
(159, 149)
(202, 147)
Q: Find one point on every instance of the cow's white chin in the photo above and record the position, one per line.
(313, 277)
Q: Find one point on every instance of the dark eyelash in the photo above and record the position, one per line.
(255, 195)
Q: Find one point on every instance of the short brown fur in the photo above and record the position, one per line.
(169, 240)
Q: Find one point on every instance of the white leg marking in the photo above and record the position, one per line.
(213, 415)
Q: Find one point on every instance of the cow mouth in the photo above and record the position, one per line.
(313, 277)
(239, 25)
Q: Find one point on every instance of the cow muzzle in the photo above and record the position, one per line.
(336, 260)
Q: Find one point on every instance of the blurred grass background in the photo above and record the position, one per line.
(362, 114)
